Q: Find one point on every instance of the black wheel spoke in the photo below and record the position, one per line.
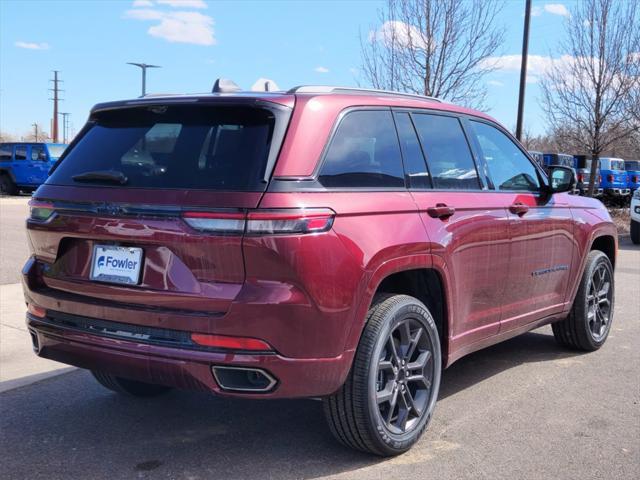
(413, 345)
(385, 395)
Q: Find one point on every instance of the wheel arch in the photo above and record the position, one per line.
(425, 279)
(606, 244)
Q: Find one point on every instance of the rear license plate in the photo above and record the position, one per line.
(116, 264)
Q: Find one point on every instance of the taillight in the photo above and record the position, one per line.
(580, 178)
(262, 222)
(610, 178)
(289, 221)
(40, 211)
(216, 222)
(634, 179)
(232, 343)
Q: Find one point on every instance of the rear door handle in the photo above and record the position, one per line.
(519, 209)
(441, 211)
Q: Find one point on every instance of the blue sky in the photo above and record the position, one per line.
(196, 41)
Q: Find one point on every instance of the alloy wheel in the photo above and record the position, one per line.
(599, 298)
(404, 376)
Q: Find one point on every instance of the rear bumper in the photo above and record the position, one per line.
(183, 368)
(285, 326)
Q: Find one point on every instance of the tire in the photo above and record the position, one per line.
(129, 387)
(7, 187)
(635, 232)
(589, 322)
(355, 416)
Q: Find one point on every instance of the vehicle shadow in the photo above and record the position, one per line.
(70, 427)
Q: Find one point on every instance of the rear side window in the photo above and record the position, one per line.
(5, 152)
(179, 146)
(448, 154)
(364, 152)
(21, 152)
(510, 169)
(38, 153)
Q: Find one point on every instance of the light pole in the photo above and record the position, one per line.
(523, 68)
(35, 125)
(143, 67)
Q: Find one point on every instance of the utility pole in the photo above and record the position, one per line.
(56, 97)
(143, 67)
(35, 125)
(65, 126)
(523, 68)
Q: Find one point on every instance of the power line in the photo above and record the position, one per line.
(56, 98)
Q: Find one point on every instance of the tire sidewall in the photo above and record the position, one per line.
(389, 441)
(599, 259)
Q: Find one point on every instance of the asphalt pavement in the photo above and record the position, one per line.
(523, 409)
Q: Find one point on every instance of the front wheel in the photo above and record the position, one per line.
(589, 322)
(390, 393)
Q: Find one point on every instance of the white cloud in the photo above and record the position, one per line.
(495, 83)
(536, 11)
(401, 33)
(142, 3)
(179, 27)
(321, 69)
(536, 64)
(183, 3)
(32, 45)
(556, 9)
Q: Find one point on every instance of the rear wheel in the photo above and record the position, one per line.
(635, 232)
(588, 324)
(389, 396)
(129, 387)
(7, 187)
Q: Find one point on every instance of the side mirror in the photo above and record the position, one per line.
(561, 179)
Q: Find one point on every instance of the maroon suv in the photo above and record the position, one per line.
(320, 242)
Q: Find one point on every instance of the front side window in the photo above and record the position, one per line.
(21, 152)
(447, 151)
(510, 169)
(364, 152)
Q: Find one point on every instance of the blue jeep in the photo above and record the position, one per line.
(24, 166)
(613, 177)
(633, 174)
(583, 172)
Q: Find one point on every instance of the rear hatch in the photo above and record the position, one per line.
(143, 207)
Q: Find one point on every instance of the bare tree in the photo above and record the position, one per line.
(592, 94)
(437, 48)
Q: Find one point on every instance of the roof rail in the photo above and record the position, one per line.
(356, 91)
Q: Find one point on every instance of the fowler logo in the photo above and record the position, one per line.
(117, 263)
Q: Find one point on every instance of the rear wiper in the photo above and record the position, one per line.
(113, 176)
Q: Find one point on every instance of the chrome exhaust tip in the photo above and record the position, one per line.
(243, 379)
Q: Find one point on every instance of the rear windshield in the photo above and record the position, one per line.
(178, 146)
(617, 164)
